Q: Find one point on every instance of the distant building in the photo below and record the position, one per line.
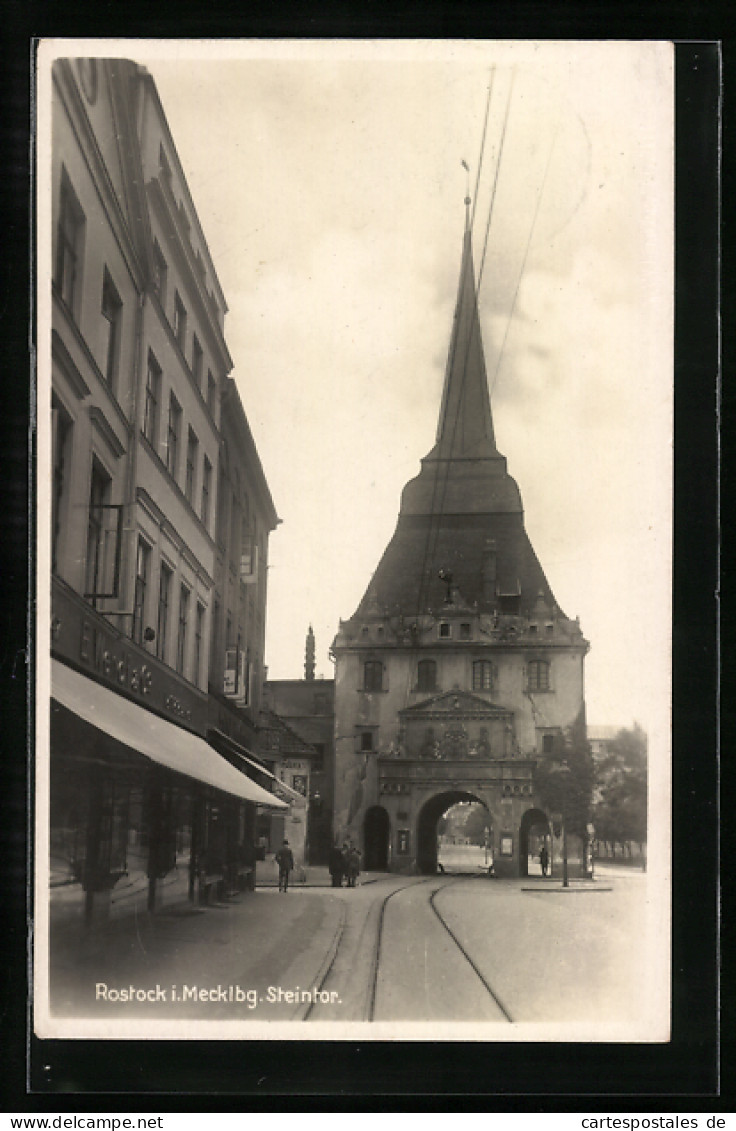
(458, 668)
(308, 707)
(143, 809)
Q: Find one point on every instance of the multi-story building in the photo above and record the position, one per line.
(142, 807)
(458, 668)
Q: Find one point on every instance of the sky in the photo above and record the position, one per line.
(328, 180)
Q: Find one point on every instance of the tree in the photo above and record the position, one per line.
(477, 822)
(564, 777)
(620, 813)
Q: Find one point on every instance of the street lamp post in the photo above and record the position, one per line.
(565, 771)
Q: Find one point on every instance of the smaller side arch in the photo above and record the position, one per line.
(376, 830)
(532, 819)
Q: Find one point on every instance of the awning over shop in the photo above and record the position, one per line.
(159, 740)
(219, 739)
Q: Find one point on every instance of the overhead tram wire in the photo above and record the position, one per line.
(526, 255)
(436, 513)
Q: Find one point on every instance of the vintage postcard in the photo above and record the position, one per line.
(355, 388)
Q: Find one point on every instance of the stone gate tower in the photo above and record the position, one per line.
(458, 667)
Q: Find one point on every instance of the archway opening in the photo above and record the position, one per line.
(534, 834)
(454, 833)
(376, 828)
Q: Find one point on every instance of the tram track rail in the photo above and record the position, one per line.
(376, 917)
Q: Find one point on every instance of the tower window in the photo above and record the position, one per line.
(537, 675)
(373, 675)
(482, 675)
(426, 675)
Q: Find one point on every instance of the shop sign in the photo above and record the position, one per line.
(118, 662)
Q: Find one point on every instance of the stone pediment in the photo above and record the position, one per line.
(454, 704)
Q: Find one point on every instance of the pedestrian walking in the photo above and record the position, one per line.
(352, 866)
(285, 861)
(544, 859)
(336, 865)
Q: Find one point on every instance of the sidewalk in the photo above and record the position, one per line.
(254, 940)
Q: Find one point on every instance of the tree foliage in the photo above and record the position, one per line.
(564, 778)
(620, 812)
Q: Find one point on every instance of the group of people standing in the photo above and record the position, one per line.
(344, 862)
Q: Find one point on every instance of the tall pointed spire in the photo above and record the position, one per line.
(309, 655)
(465, 428)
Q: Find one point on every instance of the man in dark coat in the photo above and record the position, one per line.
(285, 861)
(336, 865)
(544, 859)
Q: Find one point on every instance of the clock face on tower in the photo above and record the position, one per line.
(88, 78)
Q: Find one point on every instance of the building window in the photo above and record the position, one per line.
(153, 394)
(548, 743)
(318, 760)
(160, 273)
(426, 675)
(197, 361)
(465, 632)
(192, 449)
(537, 675)
(181, 640)
(211, 392)
(69, 238)
(99, 495)
(373, 675)
(445, 632)
(174, 430)
(142, 571)
(180, 321)
(533, 629)
(198, 635)
(366, 740)
(61, 433)
(164, 598)
(112, 311)
(206, 489)
(482, 675)
(549, 629)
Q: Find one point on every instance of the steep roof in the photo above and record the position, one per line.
(463, 513)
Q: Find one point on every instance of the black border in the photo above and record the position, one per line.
(678, 1076)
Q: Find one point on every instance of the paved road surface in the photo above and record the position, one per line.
(535, 956)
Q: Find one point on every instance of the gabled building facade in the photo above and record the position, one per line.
(458, 667)
(143, 809)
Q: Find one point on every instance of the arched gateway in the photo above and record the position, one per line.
(458, 668)
(427, 822)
